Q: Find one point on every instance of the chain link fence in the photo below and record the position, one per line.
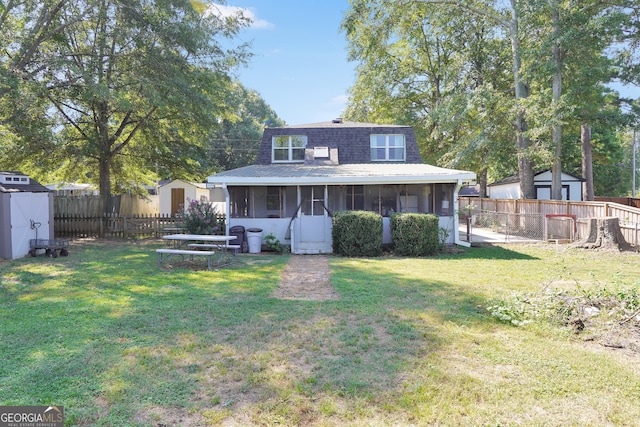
(511, 226)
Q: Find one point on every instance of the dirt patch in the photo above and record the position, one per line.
(307, 277)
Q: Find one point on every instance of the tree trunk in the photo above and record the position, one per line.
(482, 183)
(604, 234)
(587, 163)
(556, 127)
(525, 164)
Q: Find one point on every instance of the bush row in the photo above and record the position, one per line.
(359, 233)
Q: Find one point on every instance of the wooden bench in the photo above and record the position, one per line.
(171, 252)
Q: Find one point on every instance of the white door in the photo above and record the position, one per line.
(313, 214)
(25, 208)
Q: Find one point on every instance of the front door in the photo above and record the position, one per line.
(313, 215)
(177, 200)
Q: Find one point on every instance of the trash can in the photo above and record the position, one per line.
(238, 231)
(254, 240)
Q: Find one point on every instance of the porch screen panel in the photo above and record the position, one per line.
(443, 194)
(312, 200)
(239, 201)
(355, 197)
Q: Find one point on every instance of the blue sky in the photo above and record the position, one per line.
(300, 65)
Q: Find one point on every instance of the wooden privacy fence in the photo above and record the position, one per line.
(124, 204)
(113, 225)
(629, 217)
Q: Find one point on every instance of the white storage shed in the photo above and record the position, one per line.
(509, 187)
(26, 207)
(176, 193)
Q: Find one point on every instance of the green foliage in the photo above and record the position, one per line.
(357, 233)
(415, 234)
(200, 217)
(273, 243)
(606, 303)
(126, 88)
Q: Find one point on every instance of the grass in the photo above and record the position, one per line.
(117, 341)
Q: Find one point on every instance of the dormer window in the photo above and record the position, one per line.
(388, 148)
(288, 148)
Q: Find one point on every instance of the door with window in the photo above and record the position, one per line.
(313, 215)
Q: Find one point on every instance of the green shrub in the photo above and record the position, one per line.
(415, 234)
(357, 233)
(201, 218)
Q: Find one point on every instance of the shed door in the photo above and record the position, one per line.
(177, 199)
(26, 207)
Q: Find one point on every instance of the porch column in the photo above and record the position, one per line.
(456, 219)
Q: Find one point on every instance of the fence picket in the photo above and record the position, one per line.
(114, 225)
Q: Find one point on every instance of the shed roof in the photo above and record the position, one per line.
(513, 179)
(10, 187)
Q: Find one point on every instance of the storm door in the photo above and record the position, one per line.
(313, 215)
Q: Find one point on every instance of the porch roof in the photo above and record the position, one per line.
(353, 174)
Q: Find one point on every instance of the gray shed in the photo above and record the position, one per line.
(26, 207)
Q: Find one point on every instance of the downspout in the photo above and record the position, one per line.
(456, 219)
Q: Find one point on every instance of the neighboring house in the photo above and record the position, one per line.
(73, 189)
(175, 194)
(303, 173)
(26, 208)
(509, 187)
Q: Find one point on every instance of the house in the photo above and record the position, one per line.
(509, 187)
(73, 189)
(175, 194)
(26, 208)
(303, 173)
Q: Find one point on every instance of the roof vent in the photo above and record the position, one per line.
(337, 120)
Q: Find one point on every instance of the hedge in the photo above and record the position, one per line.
(415, 234)
(357, 233)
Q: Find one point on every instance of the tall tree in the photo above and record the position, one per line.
(136, 82)
(367, 23)
(236, 141)
(434, 68)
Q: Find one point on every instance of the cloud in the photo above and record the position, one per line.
(225, 11)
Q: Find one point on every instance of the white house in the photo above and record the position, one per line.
(303, 173)
(509, 187)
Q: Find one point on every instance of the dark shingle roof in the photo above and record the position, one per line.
(9, 187)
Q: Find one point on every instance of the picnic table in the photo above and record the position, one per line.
(215, 248)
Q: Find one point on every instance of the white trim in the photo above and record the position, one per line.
(341, 180)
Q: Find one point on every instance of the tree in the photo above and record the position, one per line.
(433, 68)
(370, 25)
(236, 141)
(134, 84)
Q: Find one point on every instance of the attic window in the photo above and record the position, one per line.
(321, 152)
(388, 148)
(288, 148)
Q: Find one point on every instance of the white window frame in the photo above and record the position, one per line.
(289, 148)
(374, 146)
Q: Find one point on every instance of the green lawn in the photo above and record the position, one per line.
(119, 342)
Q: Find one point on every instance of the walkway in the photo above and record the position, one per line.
(307, 277)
